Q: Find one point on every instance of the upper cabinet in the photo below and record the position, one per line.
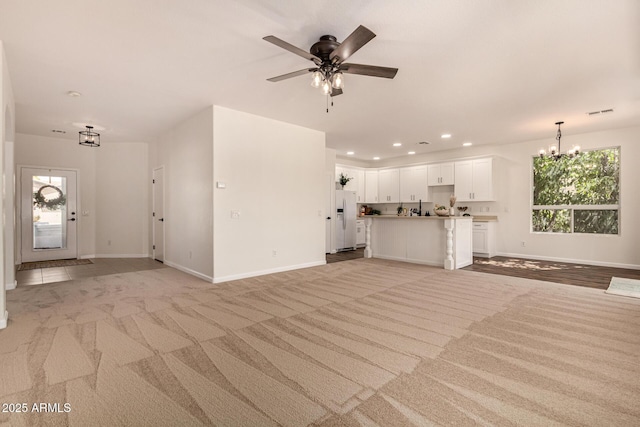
(389, 186)
(360, 183)
(440, 174)
(413, 184)
(371, 186)
(474, 180)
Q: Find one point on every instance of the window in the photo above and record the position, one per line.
(577, 195)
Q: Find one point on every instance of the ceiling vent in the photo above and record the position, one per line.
(595, 113)
(58, 131)
(424, 143)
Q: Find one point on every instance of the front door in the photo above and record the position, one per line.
(48, 214)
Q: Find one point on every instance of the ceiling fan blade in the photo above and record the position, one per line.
(369, 70)
(292, 74)
(291, 48)
(361, 36)
(336, 92)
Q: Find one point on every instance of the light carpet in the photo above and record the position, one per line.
(356, 343)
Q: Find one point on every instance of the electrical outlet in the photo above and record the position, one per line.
(235, 214)
(108, 242)
(274, 253)
(523, 243)
(190, 255)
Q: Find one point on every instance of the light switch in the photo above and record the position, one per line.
(221, 184)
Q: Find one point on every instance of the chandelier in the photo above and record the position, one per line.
(89, 137)
(554, 151)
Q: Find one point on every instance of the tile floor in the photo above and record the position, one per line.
(100, 267)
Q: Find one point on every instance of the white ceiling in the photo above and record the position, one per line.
(488, 72)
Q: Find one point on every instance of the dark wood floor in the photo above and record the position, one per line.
(559, 272)
(345, 255)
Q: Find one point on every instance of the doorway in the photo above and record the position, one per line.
(48, 214)
(158, 214)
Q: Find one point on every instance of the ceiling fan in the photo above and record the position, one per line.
(329, 55)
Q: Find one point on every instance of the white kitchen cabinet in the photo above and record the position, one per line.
(440, 174)
(371, 186)
(474, 180)
(389, 185)
(413, 184)
(484, 239)
(360, 230)
(360, 184)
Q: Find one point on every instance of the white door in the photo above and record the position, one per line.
(158, 214)
(49, 217)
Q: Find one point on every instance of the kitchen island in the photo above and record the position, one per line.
(431, 240)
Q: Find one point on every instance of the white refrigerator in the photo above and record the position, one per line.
(345, 220)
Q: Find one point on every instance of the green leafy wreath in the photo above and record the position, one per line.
(41, 202)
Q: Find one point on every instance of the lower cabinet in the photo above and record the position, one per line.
(484, 241)
(360, 231)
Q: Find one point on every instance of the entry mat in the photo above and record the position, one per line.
(625, 287)
(54, 263)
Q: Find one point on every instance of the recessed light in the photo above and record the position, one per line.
(397, 144)
(467, 144)
(411, 152)
(445, 135)
(350, 153)
(74, 93)
(376, 158)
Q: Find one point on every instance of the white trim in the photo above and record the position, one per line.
(11, 286)
(3, 320)
(269, 271)
(571, 260)
(409, 260)
(189, 271)
(114, 256)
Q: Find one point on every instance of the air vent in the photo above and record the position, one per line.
(594, 113)
(424, 143)
(58, 131)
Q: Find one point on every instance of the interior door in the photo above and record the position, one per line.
(49, 218)
(158, 214)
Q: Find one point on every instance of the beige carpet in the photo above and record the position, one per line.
(356, 343)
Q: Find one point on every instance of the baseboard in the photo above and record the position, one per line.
(269, 271)
(3, 320)
(571, 260)
(114, 256)
(11, 286)
(189, 271)
(412, 261)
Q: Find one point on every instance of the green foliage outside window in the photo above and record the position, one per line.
(575, 187)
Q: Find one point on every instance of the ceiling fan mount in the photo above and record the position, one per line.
(323, 47)
(329, 55)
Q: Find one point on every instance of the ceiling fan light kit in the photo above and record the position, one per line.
(329, 55)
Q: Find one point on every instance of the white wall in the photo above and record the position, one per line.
(330, 201)
(121, 208)
(186, 152)
(274, 174)
(112, 182)
(7, 132)
(513, 204)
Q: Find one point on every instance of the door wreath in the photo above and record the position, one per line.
(40, 201)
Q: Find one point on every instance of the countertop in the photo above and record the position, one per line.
(416, 217)
(480, 218)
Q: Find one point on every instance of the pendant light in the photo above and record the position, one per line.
(555, 151)
(89, 138)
